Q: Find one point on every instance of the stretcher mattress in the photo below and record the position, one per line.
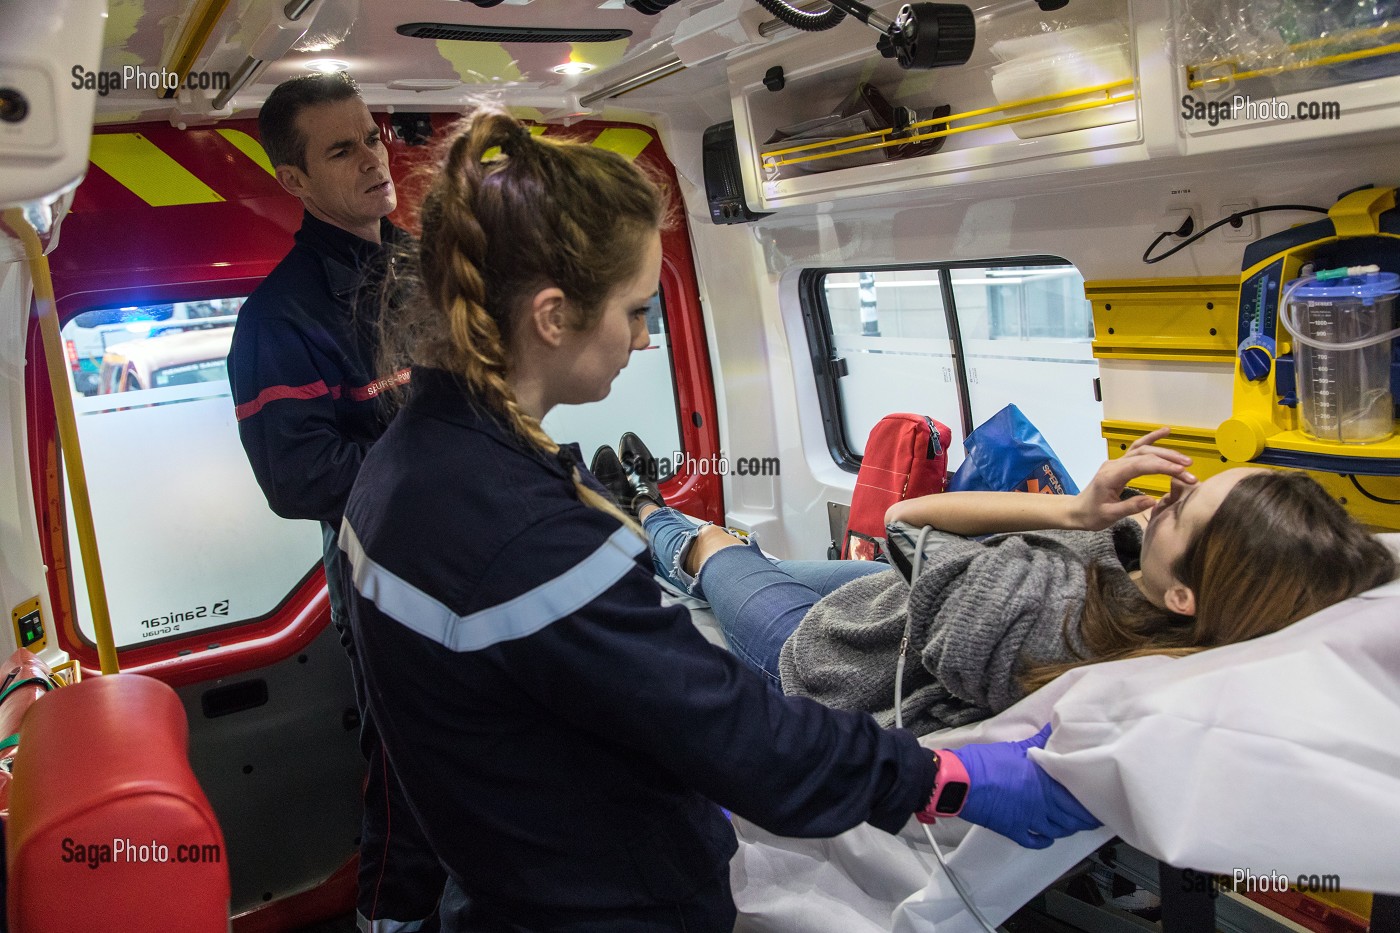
(1276, 756)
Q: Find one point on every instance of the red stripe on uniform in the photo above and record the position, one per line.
(274, 393)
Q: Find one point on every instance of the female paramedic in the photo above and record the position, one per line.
(1067, 580)
(566, 740)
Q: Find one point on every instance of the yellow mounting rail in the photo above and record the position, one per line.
(1202, 445)
(1192, 71)
(772, 158)
(1182, 319)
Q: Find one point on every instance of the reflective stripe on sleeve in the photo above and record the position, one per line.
(524, 615)
(386, 926)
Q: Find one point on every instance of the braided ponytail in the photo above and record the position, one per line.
(496, 230)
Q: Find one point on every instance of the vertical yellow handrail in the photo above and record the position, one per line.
(68, 436)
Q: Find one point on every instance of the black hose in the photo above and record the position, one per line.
(1148, 258)
(1369, 495)
(651, 7)
(800, 19)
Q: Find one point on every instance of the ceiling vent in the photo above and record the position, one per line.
(464, 33)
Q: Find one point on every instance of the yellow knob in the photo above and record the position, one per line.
(1241, 439)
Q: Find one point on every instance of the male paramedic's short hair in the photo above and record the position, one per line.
(277, 121)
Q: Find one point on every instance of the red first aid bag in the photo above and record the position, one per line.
(906, 456)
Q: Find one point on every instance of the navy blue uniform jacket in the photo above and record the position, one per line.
(302, 370)
(559, 732)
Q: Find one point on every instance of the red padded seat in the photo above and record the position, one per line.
(108, 828)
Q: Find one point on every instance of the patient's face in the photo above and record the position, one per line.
(1175, 521)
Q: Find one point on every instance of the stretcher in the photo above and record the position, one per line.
(1277, 757)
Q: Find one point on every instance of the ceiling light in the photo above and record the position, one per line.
(423, 84)
(572, 68)
(327, 65)
(320, 42)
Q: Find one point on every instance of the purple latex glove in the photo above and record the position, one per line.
(1009, 794)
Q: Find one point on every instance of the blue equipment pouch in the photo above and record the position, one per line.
(1008, 453)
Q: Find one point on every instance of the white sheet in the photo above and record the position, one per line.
(1277, 755)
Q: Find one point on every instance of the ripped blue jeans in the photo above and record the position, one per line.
(758, 601)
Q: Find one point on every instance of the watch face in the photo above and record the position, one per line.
(950, 800)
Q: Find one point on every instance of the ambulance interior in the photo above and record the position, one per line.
(1088, 209)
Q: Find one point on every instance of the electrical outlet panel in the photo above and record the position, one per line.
(1249, 226)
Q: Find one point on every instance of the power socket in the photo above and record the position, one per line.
(1178, 223)
(1180, 201)
(1249, 226)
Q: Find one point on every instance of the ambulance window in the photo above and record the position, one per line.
(959, 342)
(1027, 335)
(642, 400)
(185, 535)
(887, 338)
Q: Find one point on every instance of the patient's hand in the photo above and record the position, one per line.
(1009, 794)
(1100, 504)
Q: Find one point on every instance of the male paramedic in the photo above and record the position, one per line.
(309, 406)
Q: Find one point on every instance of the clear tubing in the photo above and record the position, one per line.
(1286, 316)
(899, 724)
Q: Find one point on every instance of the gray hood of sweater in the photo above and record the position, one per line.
(983, 612)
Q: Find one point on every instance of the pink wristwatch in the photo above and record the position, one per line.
(949, 788)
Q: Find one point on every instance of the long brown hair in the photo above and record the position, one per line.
(507, 214)
(1278, 549)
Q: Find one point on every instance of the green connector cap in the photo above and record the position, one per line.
(1328, 274)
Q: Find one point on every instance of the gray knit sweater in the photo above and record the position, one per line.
(983, 612)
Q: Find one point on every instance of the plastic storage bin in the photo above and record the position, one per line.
(1056, 62)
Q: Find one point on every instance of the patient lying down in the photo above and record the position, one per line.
(1063, 581)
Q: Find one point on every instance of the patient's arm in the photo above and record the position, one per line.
(980, 513)
(1098, 506)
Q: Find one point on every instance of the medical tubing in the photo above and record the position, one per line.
(1220, 223)
(899, 724)
(917, 569)
(801, 19)
(1286, 317)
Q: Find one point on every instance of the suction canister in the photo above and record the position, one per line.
(1343, 326)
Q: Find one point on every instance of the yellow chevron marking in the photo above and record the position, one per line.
(599, 54)
(627, 143)
(250, 147)
(480, 62)
(123, 16)
(148, 172)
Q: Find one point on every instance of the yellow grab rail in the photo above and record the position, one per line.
(771, 159)
(198, 28)
(67, 436)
